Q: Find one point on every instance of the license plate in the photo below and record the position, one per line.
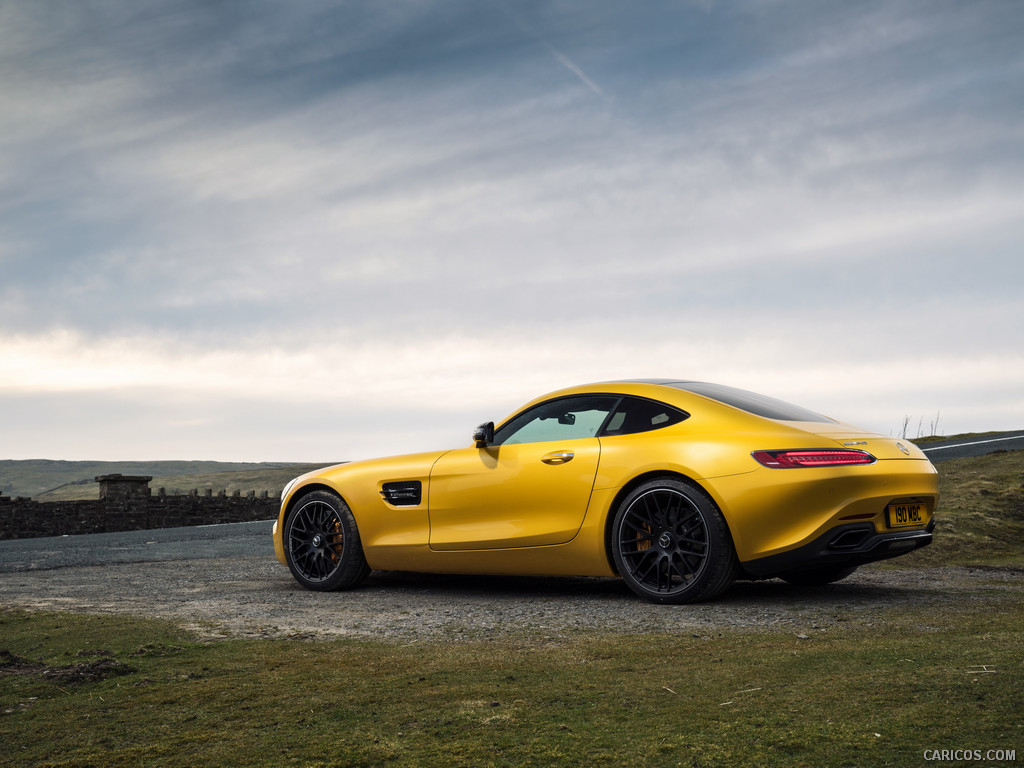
(906, 515)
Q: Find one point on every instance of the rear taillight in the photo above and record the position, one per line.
(822, 458)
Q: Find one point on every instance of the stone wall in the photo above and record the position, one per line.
(127, 504)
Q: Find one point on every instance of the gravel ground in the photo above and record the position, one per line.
(255, 596)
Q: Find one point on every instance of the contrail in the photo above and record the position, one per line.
(560, 57)
(569, 64)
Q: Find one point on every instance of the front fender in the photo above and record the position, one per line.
(381, 522)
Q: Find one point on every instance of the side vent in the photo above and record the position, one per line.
(406, 493)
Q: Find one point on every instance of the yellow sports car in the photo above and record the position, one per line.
(679, 487)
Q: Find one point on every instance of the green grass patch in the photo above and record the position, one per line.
(872, 696)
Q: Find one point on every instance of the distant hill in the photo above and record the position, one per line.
(47, 480)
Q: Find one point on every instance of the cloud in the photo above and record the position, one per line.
(352, 399)
(425, 208)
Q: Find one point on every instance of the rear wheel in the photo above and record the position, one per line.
(816, 577)
(671, 543)
(321, 543)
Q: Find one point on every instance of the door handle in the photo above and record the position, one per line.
(557, 457)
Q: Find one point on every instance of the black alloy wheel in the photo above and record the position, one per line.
(322, 544)
(671, 543)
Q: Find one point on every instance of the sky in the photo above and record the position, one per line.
(324, 231)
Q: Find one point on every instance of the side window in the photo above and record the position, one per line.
(568, 418)
(635, 414)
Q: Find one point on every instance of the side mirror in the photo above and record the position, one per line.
(484, 434)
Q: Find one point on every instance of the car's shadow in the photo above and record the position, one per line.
(497, 586)
(501, 588)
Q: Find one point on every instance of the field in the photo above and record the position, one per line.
(45, 480)
(876, 689)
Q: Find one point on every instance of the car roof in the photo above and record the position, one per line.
(680, 392)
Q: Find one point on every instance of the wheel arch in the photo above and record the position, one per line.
(626, 489)
(300, 493)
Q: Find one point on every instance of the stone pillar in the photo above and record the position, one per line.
(124, 486)
(125, 501)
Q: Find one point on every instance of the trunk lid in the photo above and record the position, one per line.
(845, 436)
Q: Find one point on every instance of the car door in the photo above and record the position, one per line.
(529, 487)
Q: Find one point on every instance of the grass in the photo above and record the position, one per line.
(78, 690)
(868, 697)
(965, 436)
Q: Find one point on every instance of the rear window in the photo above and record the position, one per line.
(635, 414)
(751, 402)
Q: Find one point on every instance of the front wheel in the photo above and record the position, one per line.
(321, 543)
(671, 543)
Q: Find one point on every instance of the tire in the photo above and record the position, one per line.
(817, 577)
(671, 543)
(321, 543)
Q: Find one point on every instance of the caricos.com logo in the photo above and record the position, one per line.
(974, 755)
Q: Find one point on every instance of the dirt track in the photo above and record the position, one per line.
(255, 596)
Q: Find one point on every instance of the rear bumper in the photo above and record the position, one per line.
(843, 546)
